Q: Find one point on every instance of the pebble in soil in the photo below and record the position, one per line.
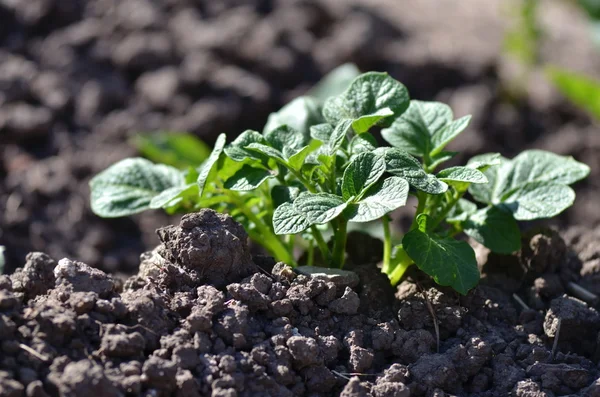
(186, 327)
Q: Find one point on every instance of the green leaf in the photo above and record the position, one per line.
(448, 261)
(319, 208)
(288, 220)
(362, 143)
(267, 151)
(581, 90)
(285, 139)
(337, 136)
(247, 178)
(321, 132)
(592, 7)
(383, 197)
(413, 130)
(191, 175)
(484, 193)
(442, 137)
(236, 150)
(179, 150)
(402, 164)
(484, 161)
(424, 129)
(206, 170)
(362, 172)
(461, 211)
(462, 175)
(440, 158)
(167, 198)
(536, 200)
(128, 186)
(366, 95)
(423, 222)
(542, 166)
(335, 82)
(532, 185)
(284, 194)
(226, 167)
(364, 123)
(296, 161)
(300, 114)
(495, 228)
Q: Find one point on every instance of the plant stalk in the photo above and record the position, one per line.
(387, 244)
(311, 253)
(422, 197)
(321, 243)
(404, 262)
(399, 271)
(267, 238)
(447, 208)
(339, 247)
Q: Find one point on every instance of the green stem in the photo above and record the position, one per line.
(302, 180)
(447, 208)
(332, 176)
(291, 239)
(311, 253)
(321, 243)
(455, 230)
(422, 197)
(267, 237)
(403, 263)
(387, 244)
(339, 246)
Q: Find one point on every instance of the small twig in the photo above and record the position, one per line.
(433, 316)
(34, 353)
(520, 302)
(555, 344)
(268, 274)
(340, 375)
(579, 292)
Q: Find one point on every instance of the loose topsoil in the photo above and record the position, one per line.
(79, 78)
(204, 318)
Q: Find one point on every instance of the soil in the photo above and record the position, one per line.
(78, 79)
(200, 314)
(202, 318)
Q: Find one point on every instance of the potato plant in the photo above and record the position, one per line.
(316, 167)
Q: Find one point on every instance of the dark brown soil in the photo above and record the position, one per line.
(209, 321)
(78, 78)
(204, 317)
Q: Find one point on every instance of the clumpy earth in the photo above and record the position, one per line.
(202, 318)
(79, 78)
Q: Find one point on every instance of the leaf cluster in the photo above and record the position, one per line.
(316, 167)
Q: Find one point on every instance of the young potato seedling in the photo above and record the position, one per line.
(316, 167)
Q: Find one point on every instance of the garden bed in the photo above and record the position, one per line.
(202, 317)
(73, 97)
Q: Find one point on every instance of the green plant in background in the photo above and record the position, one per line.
(316, 167)
(583, 91)
(180, 150)
(592, 10)
(522, 41)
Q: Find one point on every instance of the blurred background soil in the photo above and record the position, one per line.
(79, 78)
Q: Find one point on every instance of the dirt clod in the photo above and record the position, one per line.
(167, 332)
(209, 243)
